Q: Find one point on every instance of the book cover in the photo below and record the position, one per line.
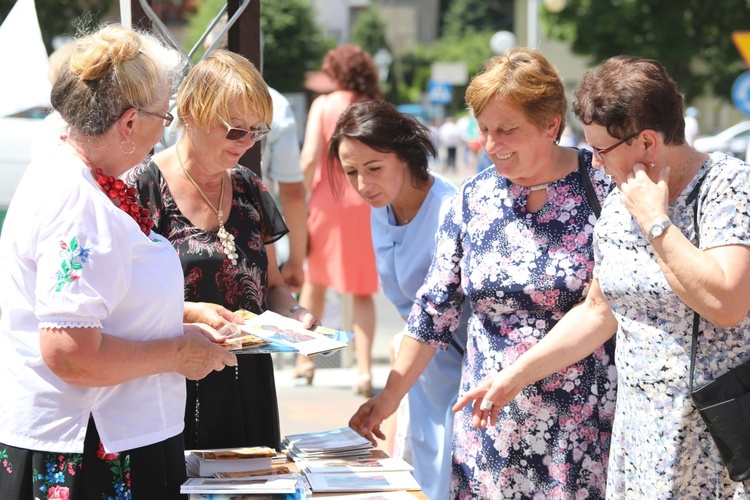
(262, 485)
(361, 464)
(361, 481)
(287, 332)
(209, 462)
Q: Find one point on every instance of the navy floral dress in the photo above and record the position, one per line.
(232, 407)
(521, 272)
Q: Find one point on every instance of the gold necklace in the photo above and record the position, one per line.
(227, 239)
(682, 171)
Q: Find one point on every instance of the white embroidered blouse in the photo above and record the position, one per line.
(70, 258)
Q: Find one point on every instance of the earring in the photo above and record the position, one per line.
(131, 149)
(651, 165)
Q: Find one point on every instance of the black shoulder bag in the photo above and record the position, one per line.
(586, 179)
(723, 403)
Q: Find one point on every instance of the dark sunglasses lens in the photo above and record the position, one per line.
(235, 134)
(257, 135)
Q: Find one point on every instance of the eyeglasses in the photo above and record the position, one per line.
(167, 118)
(235, 134)
(601, 152)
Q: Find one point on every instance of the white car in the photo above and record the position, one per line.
(732, 141)
(16, 137)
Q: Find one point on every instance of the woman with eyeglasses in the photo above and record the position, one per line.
(93, 349)
(223, 223)
(650, 277)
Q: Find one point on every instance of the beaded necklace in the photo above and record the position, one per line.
(124, 197)
(226, 238)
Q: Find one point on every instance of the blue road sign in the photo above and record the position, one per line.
(741, 92)
(439, 92)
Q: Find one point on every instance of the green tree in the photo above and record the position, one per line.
(293, 43)
(369, 31)
(473, 48)
(690, 38)
(62, 17)
(462, 16)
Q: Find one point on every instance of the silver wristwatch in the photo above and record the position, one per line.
(658, 229)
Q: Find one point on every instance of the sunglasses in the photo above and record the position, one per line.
(235, 134)
(166, 118)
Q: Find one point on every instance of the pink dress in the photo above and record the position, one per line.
(340, 253)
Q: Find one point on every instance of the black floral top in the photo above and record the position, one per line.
(209, 276)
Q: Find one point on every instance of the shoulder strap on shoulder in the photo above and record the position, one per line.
(586, 179)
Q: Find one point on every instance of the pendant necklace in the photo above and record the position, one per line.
(227, 239)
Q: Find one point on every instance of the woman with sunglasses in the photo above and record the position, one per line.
(223, 222)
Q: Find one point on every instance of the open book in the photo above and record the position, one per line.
(285, 333)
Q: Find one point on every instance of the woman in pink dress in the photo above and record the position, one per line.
(340, 253)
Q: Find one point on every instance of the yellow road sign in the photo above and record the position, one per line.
(741, 40)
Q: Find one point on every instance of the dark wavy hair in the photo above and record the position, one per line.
(380, 126)
(627, 95)
(353, 69)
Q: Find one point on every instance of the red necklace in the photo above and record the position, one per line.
(124, 197)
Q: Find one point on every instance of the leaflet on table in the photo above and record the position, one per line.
(385, 495)
(287, 332)
(361, 481)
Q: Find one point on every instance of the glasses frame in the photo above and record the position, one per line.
(166, 118)
(256, 134)
(601, 152)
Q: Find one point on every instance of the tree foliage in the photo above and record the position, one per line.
(63, 17)
(462, 16)
(369, 31)
(293, 43)
(691, 38)
(473, 48)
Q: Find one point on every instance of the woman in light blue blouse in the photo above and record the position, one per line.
(384, 155)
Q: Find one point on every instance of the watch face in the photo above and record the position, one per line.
(656, 231)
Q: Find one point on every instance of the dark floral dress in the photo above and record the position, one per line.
(232, 407)
(521, 272)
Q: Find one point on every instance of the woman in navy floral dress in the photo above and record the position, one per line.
(517, 242)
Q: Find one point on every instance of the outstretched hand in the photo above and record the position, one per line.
(490, 396)
(646, 200)
(366, 421)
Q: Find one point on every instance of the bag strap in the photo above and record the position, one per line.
(586, 179)
(693, 197)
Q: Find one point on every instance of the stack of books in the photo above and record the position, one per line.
(206, 463)
(375, 473)
(239, 472)
(341, 460)
(337, 443)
